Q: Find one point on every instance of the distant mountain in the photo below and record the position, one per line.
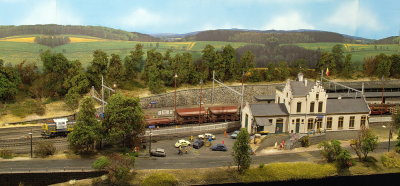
(264, 36)
(94, 31)
(388, 40)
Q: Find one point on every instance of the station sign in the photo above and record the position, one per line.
(152, 126)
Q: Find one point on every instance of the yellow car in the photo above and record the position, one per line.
(264, 132)
(182, 142)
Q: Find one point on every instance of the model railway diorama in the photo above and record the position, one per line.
(383, 109)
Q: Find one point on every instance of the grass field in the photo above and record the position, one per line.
(15, 49)
(358, 51)
(18, 48)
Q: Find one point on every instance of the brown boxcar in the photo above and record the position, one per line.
(158, 121)
(223, 113)
(190, 115)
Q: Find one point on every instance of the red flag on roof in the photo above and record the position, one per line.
(327, 71)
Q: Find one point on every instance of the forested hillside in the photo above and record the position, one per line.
(280, 37)
(95, 31)
(388, 40)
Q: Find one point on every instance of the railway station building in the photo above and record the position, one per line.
(302, 106)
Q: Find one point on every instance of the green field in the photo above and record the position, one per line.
(15, 52)
(358, 51)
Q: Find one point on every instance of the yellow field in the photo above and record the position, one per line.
(347, 46)
(83, 40)
(19, 39)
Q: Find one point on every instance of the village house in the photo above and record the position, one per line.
(303, 106)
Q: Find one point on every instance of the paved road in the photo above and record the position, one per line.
(172, 162)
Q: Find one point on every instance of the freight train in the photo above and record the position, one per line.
(198, 115)
(383, 109)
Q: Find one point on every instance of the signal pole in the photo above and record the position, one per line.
(201, 89)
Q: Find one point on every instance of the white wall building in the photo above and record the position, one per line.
(303, 106)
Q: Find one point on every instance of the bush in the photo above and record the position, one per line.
(261, 165)
(391, 160)
(44, 148)
(330, 150)
(344, 160)
(160, 178)
(101, 163)
(305, 141)
(6, 154)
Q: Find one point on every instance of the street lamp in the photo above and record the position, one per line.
(175, 77)
(30, 134)
(150, 143)
(390, 135)
(201, 89)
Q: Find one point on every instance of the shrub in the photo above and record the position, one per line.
(261, 165)
(391, 160)
(44, 149)
(101, 163)
(160, 178)
(305, 141)
(6, 154)
(343, 159)
(330, 150)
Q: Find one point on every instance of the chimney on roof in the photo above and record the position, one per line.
(305, 82)
(300, 76)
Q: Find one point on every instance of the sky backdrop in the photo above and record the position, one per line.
(373, 19)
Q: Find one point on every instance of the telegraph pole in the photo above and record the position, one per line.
(241, 102)
(212, 93)
(176, 76)
(102, 92)
(201, 89)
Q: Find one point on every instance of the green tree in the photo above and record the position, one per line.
(246, 63)
(86, 129)
(208, 59)
(383, 65)
(117, 166)
(97, 68)
(364, 144)
(124, 119)
(347, 70)
(327, 61)
(133, 62)
(229, 59)
(72, 100)
(281, 71)
(395, 68)
(154, 71)
(56, 68)
(9, 82)
(115, 70)
(241, 149)
(338, 56)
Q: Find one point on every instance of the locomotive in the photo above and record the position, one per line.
(57, 127)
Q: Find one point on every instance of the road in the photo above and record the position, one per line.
(169, 162)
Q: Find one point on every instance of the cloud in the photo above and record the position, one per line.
(224, 26)
(143, 18)
(289, 21)
(352, 15)
(47, 12)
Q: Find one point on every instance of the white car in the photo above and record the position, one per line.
(182, 142)
(207, 136)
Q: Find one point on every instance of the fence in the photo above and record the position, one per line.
(158, 132)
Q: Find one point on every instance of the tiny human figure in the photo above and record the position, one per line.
(223, 142)
(186, 150)
(180, 150)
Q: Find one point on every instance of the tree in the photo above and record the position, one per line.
(383, 65)
(395, 68)
(241, 149)
(228, 55)
(364, 144)
(246, 63)
(338, 56)
(28, 73)
(208, 59)
(115, 70)
(9, 82)
(124, 119)
(347, 70)
(370, 66)
(86, 129)
(118, 167)
(326, 61)
(153, 72)
(98, 67)
(133, 62)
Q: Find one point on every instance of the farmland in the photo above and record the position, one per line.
(358, 51)
(15, 49)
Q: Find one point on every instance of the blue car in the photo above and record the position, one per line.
(198, 143)
(219, 147)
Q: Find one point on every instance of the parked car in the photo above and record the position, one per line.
(264, 132)
(182, 142)
(235, 134)
(219, 147)
(198, 143)
(159, 152)
(207, 136)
